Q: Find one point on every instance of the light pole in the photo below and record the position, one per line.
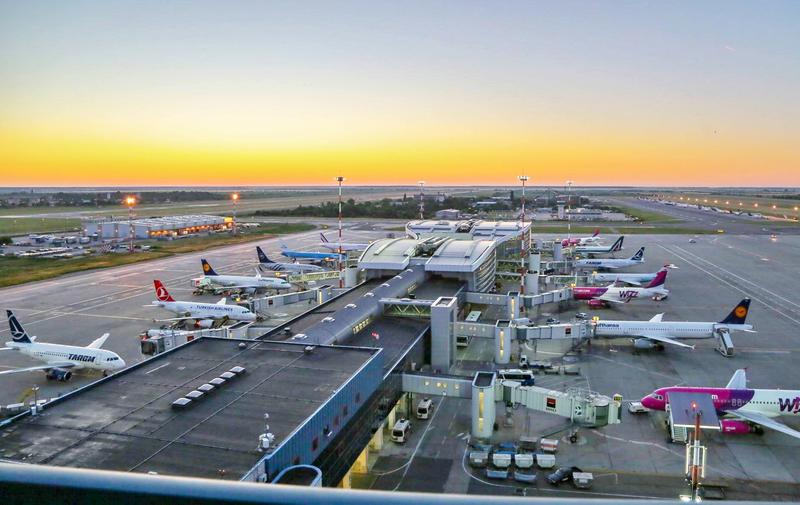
(421, 200)
(340, 180)
(130, 201)
(235, 199)
(522, 248)
(569, 208)
(35, 399)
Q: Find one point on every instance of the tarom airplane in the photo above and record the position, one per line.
(243, 282)
(306, 255)
(595, 238)
(634, 279)
(599, 296)
(742, 408)
(600, 249)
(203, 314)
(60, 360)
(266, 263)
(611, 263)
(346, 246)
(651, 334)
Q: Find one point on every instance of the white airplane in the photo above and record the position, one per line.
(611, 263)
(599, 296)
(593, 239)
(61, 360)
(634, 279)
(600, 249)
(651, 334)
(203, 314)
(346, 246)
(741, 407)
(275, 266)
(243, 282)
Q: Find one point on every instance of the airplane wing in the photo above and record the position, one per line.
(608, 298)
(657, 318)
(665, 340)
(765, 422)
(179, 319)
(98, 343)
(632, 282)
(49, 366)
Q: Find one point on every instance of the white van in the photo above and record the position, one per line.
(401, 431)
(425, 408)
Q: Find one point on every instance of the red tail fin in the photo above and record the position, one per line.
(659, 279)
(161, 292)
(596, 232)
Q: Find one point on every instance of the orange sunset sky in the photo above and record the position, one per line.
(287, 93)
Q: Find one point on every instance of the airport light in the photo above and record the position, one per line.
(774, 206)
(569, 208)
(234, 199)
(130, 201)
(339, 181)
(522, 249)
(796, 208)
(421, 199)
(755, 204)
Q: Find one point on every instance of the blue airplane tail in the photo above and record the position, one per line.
(207, 268)
(639, 256)
(739, 313)
(262, 258)
(18, 333)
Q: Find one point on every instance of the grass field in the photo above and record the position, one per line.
(25, 225)
(20, 270)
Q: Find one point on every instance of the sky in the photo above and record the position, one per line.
(679, 93)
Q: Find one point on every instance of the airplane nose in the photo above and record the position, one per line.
(121, 363)
(648, 402)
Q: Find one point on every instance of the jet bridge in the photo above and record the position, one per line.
(406, 307)
(581, 406)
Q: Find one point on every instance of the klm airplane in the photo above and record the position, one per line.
(306, 255)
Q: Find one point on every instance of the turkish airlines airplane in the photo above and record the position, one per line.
(650, 334)
(595, 238)
(741, 407)
(60, 360)
(243, 282)
(599, 296)
(611, 263)
(203, 314)
(345, 246)
(600, 249)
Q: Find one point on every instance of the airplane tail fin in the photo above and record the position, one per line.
(739, 380)
(284, 246)
(207, 268)
(618, 244)
(639, 256)
(18, 333)
(596, 232)
(323, 237)
(161, 292)
(738, 314)
(98, 343)
(659, 279)
(262, 258)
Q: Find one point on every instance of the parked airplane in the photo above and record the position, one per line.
(598, 296)
(741, 407)
(634, 279)
(651, 334)
(611, 263)
(345, 246)
(268, 264)
(203, 314)
(582, 240)
(600, 249)
(60, 360)
(306, 255)
(243, 282)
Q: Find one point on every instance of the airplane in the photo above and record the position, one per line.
(306, 255)
(243, 282)
(651, 334)
(345, 246)
(745, 410)
(203, 314)
(600, 249)
(582, 240)
(599, 296)
(634, 279)
(611, 263)
(266, 263)
(60, 360)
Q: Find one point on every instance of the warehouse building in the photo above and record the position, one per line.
(156, 227)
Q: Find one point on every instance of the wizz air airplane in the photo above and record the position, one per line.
(582, 240)
(612, 263)
(634, 279)
(599, 296)
(600, 249)
(345, 246)
(203, 314)
(306, 255)
(741, 407)
(60, 360)
(268, 264)
(651, 334)
(243, 282)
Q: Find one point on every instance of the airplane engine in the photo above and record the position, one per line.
(204, 323)
(735, 427)
(59, 375)
(644, 343)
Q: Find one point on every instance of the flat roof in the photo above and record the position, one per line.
(125, 422)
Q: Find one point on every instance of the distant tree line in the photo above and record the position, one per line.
(406, 208)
